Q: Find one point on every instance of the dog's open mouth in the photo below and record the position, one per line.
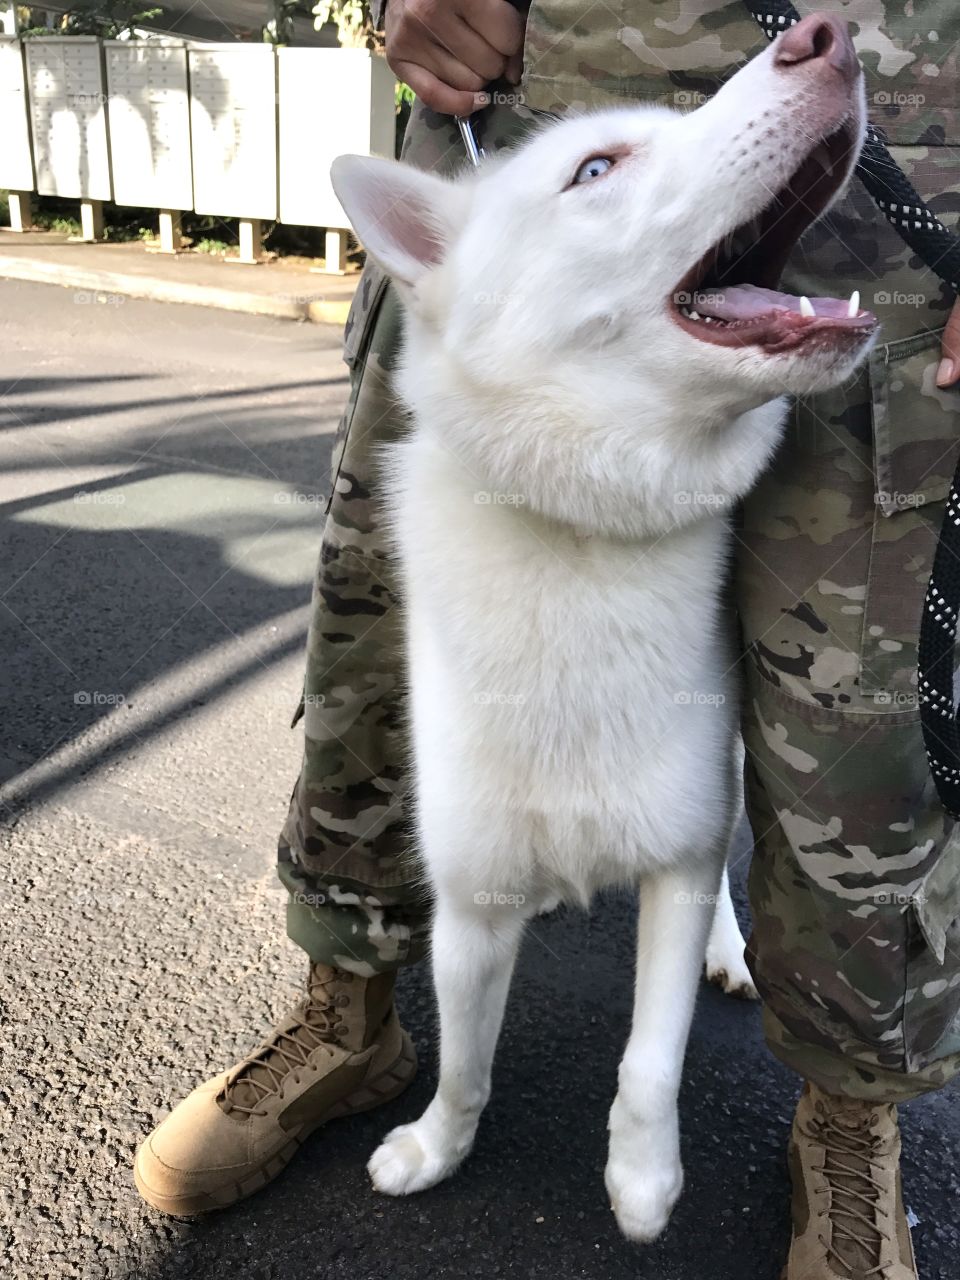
(730, 296)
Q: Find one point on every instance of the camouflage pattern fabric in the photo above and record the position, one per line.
(356, 896)
(856, 943)
(343, 851)
(679, 52)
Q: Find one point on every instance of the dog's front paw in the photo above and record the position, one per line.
(729, 971)
(642, 1199)
(410, 1159)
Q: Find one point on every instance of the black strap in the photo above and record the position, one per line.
(939, 249)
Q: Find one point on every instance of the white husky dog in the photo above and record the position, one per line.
(594, 344)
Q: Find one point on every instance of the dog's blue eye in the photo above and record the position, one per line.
(593, 168)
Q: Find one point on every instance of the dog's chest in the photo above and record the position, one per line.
(589, 636)
(572, 668)
(548, 672)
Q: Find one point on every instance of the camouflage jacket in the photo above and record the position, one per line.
(679, 51)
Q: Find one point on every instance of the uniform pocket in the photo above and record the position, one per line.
(357, 336)
(937, 901)
(916, 440)
(362, 313)
(932, 999)
(344, 586)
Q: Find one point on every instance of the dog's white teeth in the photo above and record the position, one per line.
(806, 307)
(853, 306)
(695, 315)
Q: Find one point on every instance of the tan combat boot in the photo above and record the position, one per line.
(849, 1222)
(343, 1050)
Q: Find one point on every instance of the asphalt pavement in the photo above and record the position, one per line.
(164, 469)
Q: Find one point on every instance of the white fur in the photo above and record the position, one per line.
(559, 508)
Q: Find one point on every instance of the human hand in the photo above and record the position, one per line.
(948, 372)
(447, 51)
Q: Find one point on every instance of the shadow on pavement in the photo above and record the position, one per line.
(197, 529)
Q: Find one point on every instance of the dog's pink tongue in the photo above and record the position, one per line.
(750, 302)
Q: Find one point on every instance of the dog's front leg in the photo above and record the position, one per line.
(644, 1175)
(474, 949)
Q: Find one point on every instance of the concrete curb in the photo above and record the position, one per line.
(317, 310)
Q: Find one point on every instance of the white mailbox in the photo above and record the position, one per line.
(68, 117)
(16, 161)
(149, 123)
(233, 90)
(331, 101)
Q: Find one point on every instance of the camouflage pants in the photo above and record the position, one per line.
(856, 941)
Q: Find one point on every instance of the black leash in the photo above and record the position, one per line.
(939, 249)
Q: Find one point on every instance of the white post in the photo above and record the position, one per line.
(91, 220)
(251, 241)
(21, 210)
(171, 238)
(8, 18)
(335, 252)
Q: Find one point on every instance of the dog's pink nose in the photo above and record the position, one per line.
(819, 36)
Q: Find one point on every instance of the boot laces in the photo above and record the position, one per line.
(855, 1211)
(288, 1051)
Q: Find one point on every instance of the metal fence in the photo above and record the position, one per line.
(235, 130)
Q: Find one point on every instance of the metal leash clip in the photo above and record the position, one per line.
(471, 146)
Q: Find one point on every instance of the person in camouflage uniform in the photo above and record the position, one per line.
(854, 883)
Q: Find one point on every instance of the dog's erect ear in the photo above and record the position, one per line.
(405, 218)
